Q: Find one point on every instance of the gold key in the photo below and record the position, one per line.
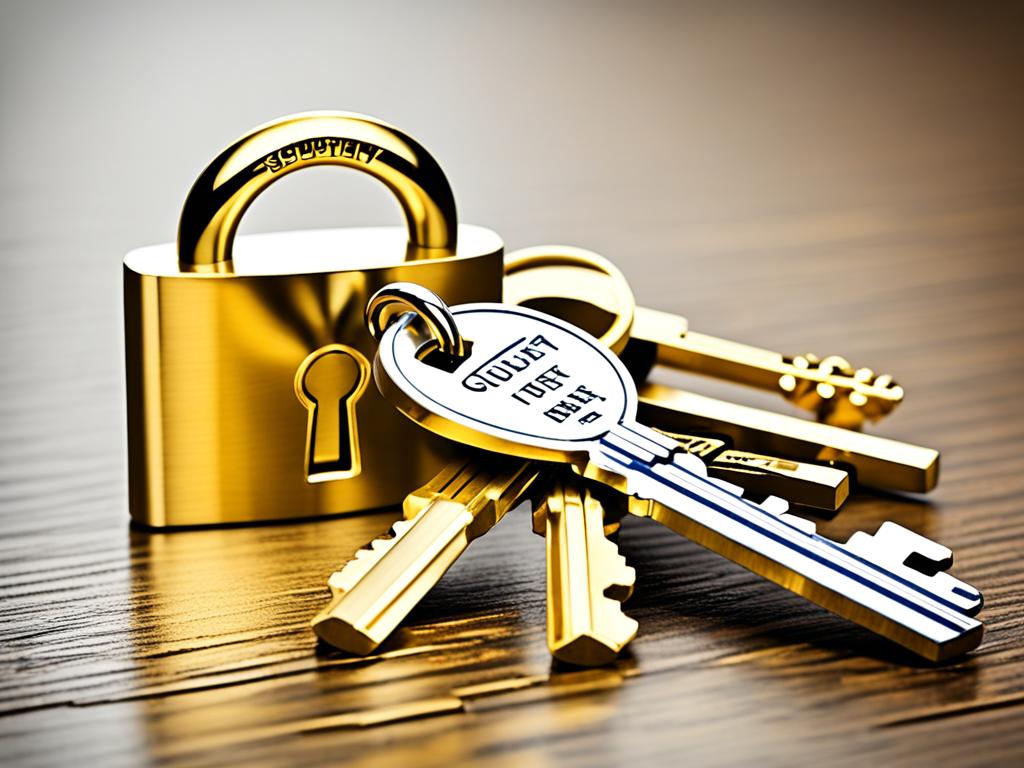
(809, 485)
(378, 588)
(588, 579)
(583, 287)
(587, 290)
(876, 461)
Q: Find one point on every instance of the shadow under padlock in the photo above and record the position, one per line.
(222, 334)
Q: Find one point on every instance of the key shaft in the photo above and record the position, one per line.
(809, 485)
(877, 462)
(829, 387)
(587, 579)
(919, 612)
(378, 588)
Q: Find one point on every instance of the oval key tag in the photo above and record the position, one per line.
(531, 385)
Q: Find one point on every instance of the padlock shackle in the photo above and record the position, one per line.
(223, 192)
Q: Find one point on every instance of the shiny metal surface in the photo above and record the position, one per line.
(876, 462)
(383, 582)
(223, 424)
(409, 297)
(588, 578)
(809, 485)
(538, 387)
(577, 284)
(589, 291)
(269, 152)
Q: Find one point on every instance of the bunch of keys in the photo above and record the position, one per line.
(549, 414)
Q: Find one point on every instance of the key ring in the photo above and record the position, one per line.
(547, 276)
(397, 299)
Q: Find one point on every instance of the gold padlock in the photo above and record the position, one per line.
(248, 360)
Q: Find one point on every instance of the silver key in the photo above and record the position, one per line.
(513, 380)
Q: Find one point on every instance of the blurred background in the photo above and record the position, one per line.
(806, 176)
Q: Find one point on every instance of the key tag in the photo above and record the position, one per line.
(537, 387)
(247, 360)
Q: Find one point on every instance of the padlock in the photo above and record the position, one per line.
(248, 359)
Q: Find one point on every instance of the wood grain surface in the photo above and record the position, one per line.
(844, 180)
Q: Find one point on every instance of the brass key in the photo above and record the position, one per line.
(378, 588)
(587, 289)
(809, 485)
(588, 579)
(876, 461)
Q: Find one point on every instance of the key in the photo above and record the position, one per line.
(516, 381)
(875, 461)
(588, 580)
(590, 291)
(378, 587)
(586, 626)
(809, 485)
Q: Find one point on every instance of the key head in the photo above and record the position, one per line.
(531, 385)
(574, 284)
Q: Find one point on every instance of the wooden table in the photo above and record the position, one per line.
(844, 181)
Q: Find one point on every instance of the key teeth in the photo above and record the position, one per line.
(920, 560)
(895, 544)
(775, 505)
(621, 584)
(365, 558)
(621, 581)
(900, 539)
(690, 463)
(621, 575)
(619, 578)
(800, 523)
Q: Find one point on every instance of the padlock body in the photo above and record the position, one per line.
(216, 432)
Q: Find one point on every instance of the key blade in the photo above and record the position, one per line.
(830, 386)
(587, 581)
(916, 559)
(810, 485)
(878, 462)
(787, 551)
(484, 482)
(363, 560)
(444, 484)
(378, 588)
(615, 508)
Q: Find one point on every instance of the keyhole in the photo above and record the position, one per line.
(329, 383)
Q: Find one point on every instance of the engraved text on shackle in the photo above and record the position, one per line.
(310, 149)
(514, 359)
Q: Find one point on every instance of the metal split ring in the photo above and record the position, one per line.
(396, 299)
